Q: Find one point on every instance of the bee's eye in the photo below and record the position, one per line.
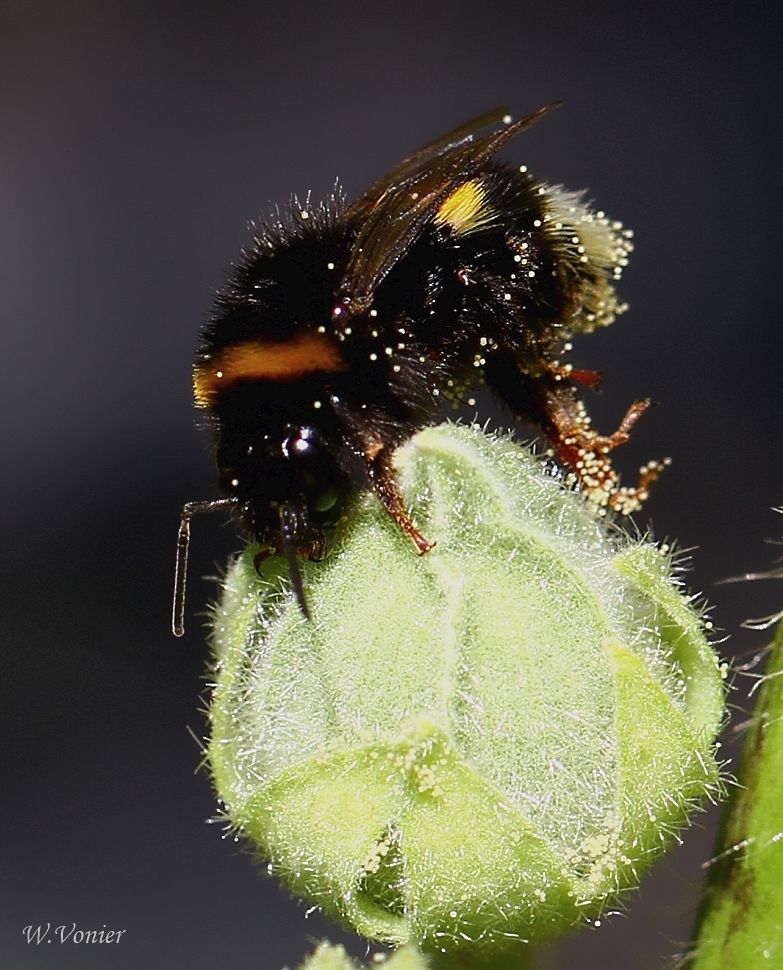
(303, 448)
(304, 444)
(310, 456)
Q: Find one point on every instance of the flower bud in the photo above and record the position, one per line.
(329, 957)
(479, 745)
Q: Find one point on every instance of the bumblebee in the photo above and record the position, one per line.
(344, 329)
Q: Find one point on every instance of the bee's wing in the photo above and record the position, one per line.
(419, 161)
(395, 210)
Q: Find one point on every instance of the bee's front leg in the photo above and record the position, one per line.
(381, 475)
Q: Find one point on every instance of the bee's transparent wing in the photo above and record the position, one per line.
(394, 211)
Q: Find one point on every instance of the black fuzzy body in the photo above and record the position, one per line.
(467, 298)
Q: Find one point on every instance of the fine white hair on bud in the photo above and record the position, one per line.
(482, 745)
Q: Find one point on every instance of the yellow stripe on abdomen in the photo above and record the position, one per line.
(261, 360)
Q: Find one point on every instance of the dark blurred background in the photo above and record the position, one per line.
(136, 141)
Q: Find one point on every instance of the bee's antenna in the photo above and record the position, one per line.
(287, 530)
(183, 544)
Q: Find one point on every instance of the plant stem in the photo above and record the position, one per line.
(740, 922)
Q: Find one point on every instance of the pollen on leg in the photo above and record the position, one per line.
(628, 500)
(585, 453)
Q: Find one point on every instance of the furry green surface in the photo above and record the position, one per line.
(474, 748)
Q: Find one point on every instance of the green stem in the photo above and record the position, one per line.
(740, 923)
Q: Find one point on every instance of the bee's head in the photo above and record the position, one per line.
(312, 469)
(290, 475)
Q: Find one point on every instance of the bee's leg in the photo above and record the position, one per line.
(260, 558)
(317, 551)
(552, 402)
(587, 378)
(379, 471)
(373, 435)
(585, 453)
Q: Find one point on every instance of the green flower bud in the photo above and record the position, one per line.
(476, 746)
(328, 957)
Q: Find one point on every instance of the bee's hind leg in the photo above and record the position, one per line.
(585, 453)
(550, 399)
